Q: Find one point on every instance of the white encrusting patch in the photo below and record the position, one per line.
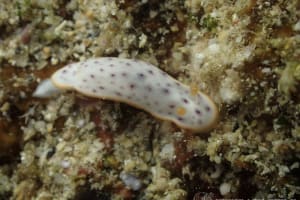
(142, 85)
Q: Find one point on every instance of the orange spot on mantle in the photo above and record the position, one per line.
(181, 111)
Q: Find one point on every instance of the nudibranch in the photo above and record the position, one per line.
(139, 84)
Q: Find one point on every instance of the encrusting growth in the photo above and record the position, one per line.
(139, 84)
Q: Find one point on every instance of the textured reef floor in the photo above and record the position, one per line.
(243, 54)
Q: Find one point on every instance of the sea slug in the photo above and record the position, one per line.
(139, 84)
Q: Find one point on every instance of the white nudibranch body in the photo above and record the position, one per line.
(139, 84)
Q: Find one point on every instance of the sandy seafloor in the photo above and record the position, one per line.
(244, 54)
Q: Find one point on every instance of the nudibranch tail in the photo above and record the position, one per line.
(142, 85)
(46, 89)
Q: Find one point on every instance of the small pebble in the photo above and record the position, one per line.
(225, 188)
(131, 181)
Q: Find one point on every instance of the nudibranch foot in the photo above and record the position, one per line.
(139, 84)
